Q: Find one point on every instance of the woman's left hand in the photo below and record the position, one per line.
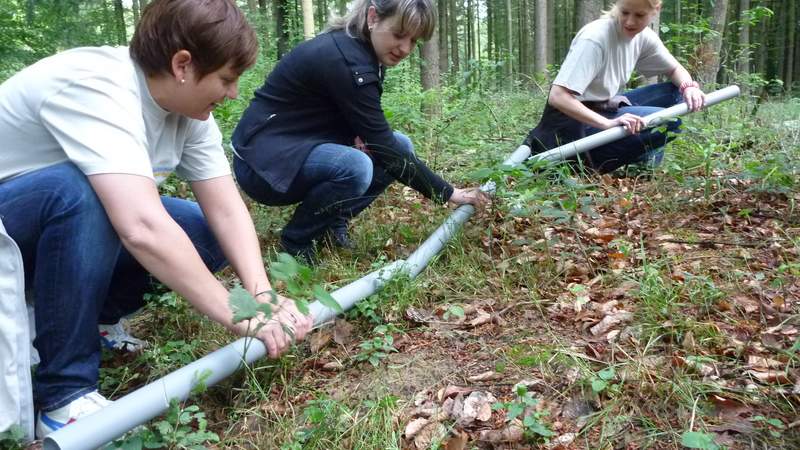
(473, 196)
(695, 98)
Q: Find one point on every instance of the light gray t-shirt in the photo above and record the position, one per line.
(92, 106)
(601, 59)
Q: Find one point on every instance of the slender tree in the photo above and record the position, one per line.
(429, 74)
(443, 30)
(707, 54)
(452, 14)
(791, 27)
(308, 19)
(586, 11)
(119, 19)
(540, 59)
(743, 61)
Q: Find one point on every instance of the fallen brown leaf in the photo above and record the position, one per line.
(413, 427)
(431, 432)
(457, 442)
(485, 376)
(511, 433)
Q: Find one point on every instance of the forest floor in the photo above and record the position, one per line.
(651, 310)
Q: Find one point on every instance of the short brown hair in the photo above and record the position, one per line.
(215, 32)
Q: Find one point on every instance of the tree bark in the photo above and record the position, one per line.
(308, 19)
(429, 75)
(509, 42)
(791, 27)
(586, 11)
(707, 54)
(453, 31)
(281, 26)
(540, 38)
(442, 31)
(656, 26)
(743, 61)
(550, 36)
(119, 15)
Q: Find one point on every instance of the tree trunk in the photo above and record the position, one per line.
(791, 26)
(453, 31)
(429, 74)
(308, 19)
(540, 38)
(743, 61)
(252, 7)
(586, 11)
(707, 54)
(281, 26)
(119, 15)
(443, 31)
(550, 36)
(509, 42)
(656, 26)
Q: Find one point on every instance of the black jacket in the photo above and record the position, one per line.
(326, 90)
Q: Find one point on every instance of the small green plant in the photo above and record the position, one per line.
(181, 428)
(524, 405)
(300, 286)
(323, 417)
(12, 439)
(773, 426)
(453, 311)
(698, 439)
(376, 349)
(602, 382)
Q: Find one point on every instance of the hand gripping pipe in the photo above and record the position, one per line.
(612, 134)
(95, 430)
(147, 402)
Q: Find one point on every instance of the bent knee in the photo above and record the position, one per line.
(355, 170)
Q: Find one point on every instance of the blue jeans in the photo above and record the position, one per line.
(556, 128)
(336, 183)
(645, 147)
(78, 271)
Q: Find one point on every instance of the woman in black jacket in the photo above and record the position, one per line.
(315, 132)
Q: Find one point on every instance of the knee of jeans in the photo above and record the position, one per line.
(71, 191)
(357, 171)
(405, 142)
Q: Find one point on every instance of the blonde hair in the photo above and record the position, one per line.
(416, 17)
(614, 11)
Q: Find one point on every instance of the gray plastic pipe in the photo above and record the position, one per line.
(612, 134)
(147, 402)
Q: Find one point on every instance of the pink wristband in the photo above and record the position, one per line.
(687, 84)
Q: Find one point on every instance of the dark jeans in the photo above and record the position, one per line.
(555, 129)
(336, 183)
(79, 272)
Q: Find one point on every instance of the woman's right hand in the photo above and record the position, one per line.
(631, 122)
(473, 196)
(285, 317)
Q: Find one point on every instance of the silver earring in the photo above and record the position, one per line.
(183, 80)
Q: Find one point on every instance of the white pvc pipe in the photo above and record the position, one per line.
(612, 134)
(143, 404)
(152, 399)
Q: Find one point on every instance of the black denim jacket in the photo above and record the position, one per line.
(326, 90)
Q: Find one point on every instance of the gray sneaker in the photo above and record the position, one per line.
(118, 337)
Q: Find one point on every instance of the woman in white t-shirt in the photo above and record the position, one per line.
(87, 136)
(587, 95)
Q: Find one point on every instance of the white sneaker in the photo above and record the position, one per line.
(118, 337)
(51, 421)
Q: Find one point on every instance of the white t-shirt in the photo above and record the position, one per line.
(601, 59)
(92, 106)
